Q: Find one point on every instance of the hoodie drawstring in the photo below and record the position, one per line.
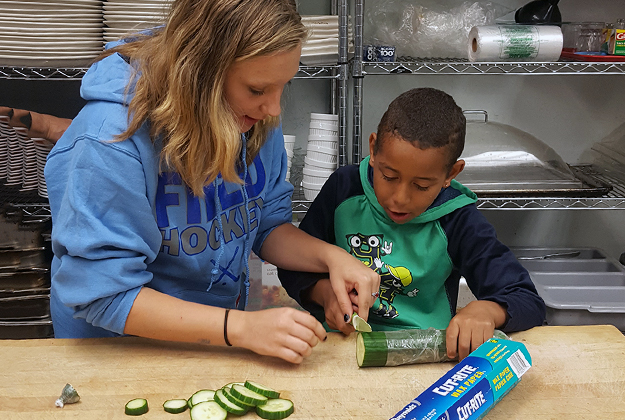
(219, 235)
(246, 224)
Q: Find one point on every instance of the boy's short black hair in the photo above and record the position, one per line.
(425, 117)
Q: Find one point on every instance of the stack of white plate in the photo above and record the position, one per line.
(29, 160)
(5, 129)
(50, 32)
(124, 17)
(322, 45)
(321, 152)
(289, 145)
(42, 147)
(15, 159)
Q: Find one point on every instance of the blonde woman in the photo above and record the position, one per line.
(173, 172)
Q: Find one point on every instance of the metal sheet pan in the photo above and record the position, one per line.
(26, 278)
(16, 330)
(503, 161)
(24, 307)
(508, 185)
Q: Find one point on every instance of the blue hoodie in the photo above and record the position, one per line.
(119, 224)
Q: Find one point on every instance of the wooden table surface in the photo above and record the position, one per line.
(577, 373)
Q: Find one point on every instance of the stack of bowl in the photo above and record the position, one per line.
(289, 145)
(321, 153)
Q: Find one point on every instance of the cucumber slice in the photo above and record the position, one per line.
(175, 406)
(228, 394)
(228, 405)
(208, 410)
(360, 324)
(247, 395)
(275, 409)
(136, 407)
(262, 389)
(232, 383)
(201, 396)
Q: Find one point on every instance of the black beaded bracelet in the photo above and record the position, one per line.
(226, 328)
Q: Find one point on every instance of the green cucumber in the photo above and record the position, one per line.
(208, 410)
(247, 395)
(175, 406)
(401, 347)
(228, 394)
(136, 407)
(275, 409)
(228, 405)
(201, 396)
(262, 389)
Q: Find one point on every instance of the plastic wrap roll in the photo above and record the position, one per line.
(404, 347)
(515, 43)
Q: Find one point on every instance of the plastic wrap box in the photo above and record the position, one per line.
(471, 388)
(580, 286)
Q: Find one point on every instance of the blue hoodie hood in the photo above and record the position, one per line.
(120, 223)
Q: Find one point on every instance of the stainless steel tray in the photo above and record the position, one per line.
(15, 330)
(540, 182)
(15, 258)
(24, 307)
(25, 278)
(505, 162)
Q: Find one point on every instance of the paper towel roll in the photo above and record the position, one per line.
(515, 43)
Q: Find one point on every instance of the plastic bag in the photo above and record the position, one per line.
(427, 28)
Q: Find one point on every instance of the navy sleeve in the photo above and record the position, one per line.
(491, 270)
(319, 222)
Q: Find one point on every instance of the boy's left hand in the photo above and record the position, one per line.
(323, 294)
(472, 326)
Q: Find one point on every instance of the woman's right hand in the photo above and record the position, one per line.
(287, 333)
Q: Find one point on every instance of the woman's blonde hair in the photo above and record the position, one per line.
(179, 85)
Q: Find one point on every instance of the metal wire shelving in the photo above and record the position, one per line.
(614, 200)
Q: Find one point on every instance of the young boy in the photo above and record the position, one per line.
(402, 214)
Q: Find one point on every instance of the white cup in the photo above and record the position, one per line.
(325, 117)
(311, 190)
(324, 154)
(323, 137)
(317, 164)
(324, 125)
(321, 132)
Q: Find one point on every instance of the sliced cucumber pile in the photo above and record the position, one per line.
(236, 398)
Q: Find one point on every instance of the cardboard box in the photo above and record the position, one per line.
(471, 388)
(614, 41)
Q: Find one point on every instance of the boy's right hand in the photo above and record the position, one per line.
(287, 333)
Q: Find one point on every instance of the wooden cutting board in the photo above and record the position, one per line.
(577, 373)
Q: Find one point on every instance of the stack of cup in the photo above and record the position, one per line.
(321, 153)
(289, 145)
